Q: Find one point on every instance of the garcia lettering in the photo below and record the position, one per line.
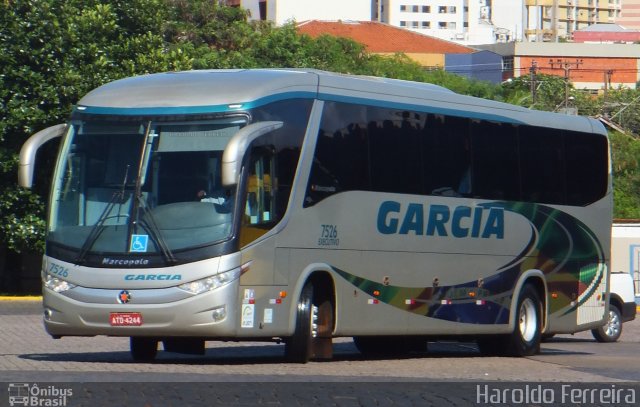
(152, 277)
(440, 220)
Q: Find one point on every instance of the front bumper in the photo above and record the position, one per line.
(88, 314)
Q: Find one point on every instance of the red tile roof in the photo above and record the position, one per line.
(382, 38)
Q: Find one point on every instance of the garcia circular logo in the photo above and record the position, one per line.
(124, 297)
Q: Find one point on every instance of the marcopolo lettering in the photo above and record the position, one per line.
(124, 262)
(441, 220)
(153, 277)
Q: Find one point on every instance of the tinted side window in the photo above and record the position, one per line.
(386, 150)
(394, 143)
(495, 160)
(366, 148)
(447, 155)
(542, 163)
(587, 163)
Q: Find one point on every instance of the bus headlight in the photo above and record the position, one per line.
(57, 284)
(211, 283)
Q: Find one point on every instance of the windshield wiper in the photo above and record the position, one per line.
(148, 222)
(98, 227)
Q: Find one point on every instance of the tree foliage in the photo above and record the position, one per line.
(52, 52)
(626, 175)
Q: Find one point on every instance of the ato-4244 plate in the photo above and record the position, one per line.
(125, 319)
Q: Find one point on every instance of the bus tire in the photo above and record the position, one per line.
(298, 347)
(527, 333)
(143, 349)
(612, 329)
(525, 339)
(312, 338)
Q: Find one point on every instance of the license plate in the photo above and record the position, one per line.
(125, 319)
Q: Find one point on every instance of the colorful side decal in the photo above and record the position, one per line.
(561, 246)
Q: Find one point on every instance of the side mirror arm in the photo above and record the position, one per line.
(29, 150)
(234, 152)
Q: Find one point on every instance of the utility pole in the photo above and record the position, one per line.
(532, 79)
(567, 66)
(607, 84)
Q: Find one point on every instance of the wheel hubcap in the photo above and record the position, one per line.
(528, 320)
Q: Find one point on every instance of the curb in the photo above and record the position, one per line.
(20, 298)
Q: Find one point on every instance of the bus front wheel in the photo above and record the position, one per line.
(143, 349)
(312, 338)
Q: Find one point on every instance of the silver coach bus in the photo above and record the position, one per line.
(301, 206)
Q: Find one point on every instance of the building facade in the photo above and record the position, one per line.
(630, 14)
(467, 22)
(593, 67)
(607, 33)
(283, 11)
(553, 20)
(430, 52)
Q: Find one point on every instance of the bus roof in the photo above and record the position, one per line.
(210, 91)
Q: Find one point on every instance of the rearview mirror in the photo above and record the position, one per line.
(233, 153)
(30, 149)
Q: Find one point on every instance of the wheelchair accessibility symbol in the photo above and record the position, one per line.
(139, 243)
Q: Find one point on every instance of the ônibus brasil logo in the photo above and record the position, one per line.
(25, 394)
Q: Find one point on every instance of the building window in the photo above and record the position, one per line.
(426, 24)
(442, 10)
(403, 23)
(507, 64)
(452, 25)
(442, 25)
(414, 24)
(452, 9)
(426, 9)
(465, 24)
(416, 9)
(403, 8)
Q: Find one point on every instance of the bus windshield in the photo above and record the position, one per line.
(142, 186)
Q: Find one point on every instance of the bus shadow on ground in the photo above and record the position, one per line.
(270, 354)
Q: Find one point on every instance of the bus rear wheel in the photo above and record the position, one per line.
(526, 336)
(312, 338)
(143, 349)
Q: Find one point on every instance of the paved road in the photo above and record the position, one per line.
(28, 354)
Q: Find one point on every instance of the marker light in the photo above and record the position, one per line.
(211, 283)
